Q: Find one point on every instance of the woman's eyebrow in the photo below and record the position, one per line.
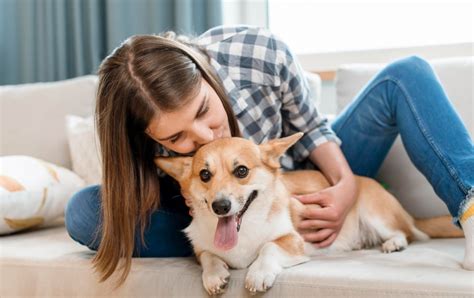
(198, 113)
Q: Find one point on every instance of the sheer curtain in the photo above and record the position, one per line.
(49, 40)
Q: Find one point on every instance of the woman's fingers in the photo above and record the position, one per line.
(314, 212)
(315, 224)
(318, 236)
(188, 203)
(328, 241)
(315, 198)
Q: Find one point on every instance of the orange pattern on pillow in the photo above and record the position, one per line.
(20, 224)
(51, 171)
(10, 184)
(43, 200)
(25, 223)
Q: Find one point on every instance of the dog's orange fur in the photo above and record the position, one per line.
(291, 243)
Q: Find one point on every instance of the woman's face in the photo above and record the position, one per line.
(197, 123)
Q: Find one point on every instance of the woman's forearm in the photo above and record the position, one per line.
(332, 163)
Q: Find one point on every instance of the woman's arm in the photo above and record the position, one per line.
(322, 225)
(319, 142)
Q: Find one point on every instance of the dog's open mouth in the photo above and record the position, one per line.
(228, 227)
(249, 201)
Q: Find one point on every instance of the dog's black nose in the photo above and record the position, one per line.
(221, 207)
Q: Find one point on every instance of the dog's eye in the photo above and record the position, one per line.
(241, 172)
(205, 175)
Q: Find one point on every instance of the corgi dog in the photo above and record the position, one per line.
(245, 215)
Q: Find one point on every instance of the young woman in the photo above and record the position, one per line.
(164, 95)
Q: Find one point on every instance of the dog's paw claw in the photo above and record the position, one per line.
(215, 291)
(252, 291)
(224, 284)
(259, 282)
(215, 284)
(393, 245)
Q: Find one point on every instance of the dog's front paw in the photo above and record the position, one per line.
(216, 281)
(260, 279)
(394, 244)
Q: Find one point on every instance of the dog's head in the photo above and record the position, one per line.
(224, 177)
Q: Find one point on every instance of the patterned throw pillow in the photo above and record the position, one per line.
(33, 192)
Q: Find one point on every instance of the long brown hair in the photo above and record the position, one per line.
(146, 74)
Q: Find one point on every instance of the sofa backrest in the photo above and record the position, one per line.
(397, 171)
(32, 117)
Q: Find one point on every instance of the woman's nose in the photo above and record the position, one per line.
(203, 135)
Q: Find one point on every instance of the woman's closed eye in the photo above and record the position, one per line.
(203, 112)
(175, 139)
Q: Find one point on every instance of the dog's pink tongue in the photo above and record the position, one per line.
(226, 233)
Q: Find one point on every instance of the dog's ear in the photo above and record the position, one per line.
(272, 150)
(177, 167)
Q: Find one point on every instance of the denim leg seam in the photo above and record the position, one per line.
(451, 170)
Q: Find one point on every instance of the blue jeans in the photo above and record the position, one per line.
(404, 98)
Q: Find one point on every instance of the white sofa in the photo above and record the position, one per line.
(46, 262)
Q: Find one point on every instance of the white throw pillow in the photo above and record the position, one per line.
(84, 148)
(33, 192)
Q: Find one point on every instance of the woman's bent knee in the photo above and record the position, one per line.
(83, 217)
(412, 66)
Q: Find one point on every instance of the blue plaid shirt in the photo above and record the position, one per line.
(267, 88)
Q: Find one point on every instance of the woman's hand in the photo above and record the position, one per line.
(321, 225)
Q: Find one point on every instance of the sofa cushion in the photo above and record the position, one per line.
(32, 117)
(48, 263)
(84, 148)
(410, 186)
(33, 192)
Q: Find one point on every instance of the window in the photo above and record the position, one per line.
(372, 31)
